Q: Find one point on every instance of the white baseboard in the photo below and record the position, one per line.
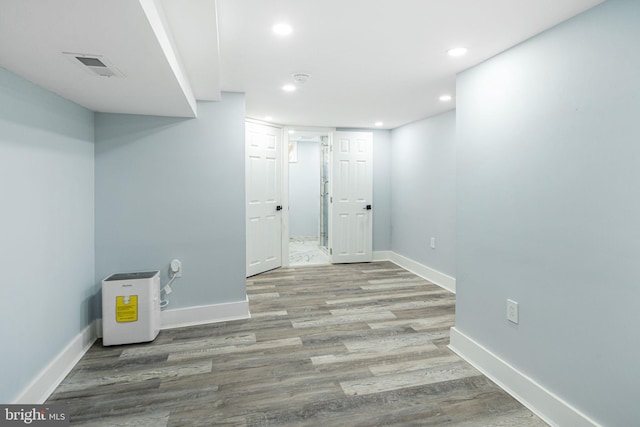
(382, 255)
(199, 315)
(443, 280)
(204, 314)
(539, 400)
(52, 375)
(99, 328)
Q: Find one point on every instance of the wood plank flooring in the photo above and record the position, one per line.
(339, 345)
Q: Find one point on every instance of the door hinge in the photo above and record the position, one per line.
(330, 251)
(331, 199)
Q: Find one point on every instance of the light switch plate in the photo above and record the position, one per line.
(512, 311)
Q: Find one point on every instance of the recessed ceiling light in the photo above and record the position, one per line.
(288, 88)
(282, 29)
(291, 131)
(268, 118)
(446, 98)
(379, 124)
(457, 51)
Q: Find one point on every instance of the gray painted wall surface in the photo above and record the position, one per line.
(423, 187)
(46, 228)
(381, 187)
(381, 190)
(174, 188)
(304, 191)
(548, 209)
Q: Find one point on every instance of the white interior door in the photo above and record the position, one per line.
(264, 209)
(351, 225)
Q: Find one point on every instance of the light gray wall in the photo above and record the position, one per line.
(549, 209)
(46, 228)
(304, 191)
(423, 191)
(381, 190)
(381, 187)
(174, 188)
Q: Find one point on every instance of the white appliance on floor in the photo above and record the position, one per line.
(130, 308)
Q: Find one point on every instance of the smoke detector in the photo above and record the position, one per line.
(94, 64)
(301, 77)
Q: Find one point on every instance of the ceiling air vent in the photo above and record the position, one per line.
(94, 64)
(301, 77)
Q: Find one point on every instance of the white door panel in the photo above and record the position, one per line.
(264, 223)
(352, 192)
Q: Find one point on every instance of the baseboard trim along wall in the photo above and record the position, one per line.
(539, 400)
(382, 255)
(52, 375)
(443, 280)
(200, 315)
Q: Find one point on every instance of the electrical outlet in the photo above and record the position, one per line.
(176, 267)
(512, 311)
(433, 243)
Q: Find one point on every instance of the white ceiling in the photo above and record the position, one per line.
(369, 60)
(133, 35)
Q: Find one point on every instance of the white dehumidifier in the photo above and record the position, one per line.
(130, 308)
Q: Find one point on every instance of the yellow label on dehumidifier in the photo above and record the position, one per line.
(127, 308)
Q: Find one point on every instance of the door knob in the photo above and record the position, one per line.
(367, 208)
(278, 208)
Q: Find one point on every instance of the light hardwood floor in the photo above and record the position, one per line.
(338, 345)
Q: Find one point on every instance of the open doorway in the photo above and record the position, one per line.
(308, 173)
(339, 168)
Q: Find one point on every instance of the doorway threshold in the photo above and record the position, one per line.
(306, 251)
